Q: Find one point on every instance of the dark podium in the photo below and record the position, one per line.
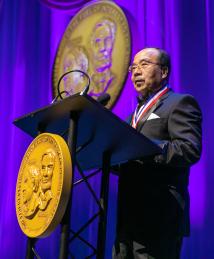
(96, 139)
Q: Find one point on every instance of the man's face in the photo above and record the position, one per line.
(103, 44)
(47, 172)
(147, 77)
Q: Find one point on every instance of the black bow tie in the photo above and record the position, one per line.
(142, 99)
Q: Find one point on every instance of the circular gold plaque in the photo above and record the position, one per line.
(43, 185)
(97, 42)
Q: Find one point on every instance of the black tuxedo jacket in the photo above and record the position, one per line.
(153, 197)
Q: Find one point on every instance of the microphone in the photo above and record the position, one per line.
(104, 99)
(85, 90)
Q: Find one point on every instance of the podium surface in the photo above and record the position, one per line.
(98, 131)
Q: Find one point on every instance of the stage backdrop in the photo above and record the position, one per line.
(30, 32)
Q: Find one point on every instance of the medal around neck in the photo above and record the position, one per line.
(43, 185)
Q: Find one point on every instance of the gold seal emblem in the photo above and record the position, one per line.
(43, 185)
(97, 42)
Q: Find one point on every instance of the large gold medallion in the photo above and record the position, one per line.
(97, 42)
(43, 185)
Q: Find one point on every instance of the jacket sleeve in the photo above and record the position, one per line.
(184, 127)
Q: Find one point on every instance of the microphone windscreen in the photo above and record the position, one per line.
(104, 99)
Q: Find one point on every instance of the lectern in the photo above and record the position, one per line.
(97, 139)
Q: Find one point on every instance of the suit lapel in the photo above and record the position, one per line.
(153, 108)
(146, 116)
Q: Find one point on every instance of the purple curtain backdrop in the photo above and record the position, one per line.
(30, 32)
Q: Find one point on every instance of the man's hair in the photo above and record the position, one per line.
(164, 59)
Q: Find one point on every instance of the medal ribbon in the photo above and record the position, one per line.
(139, 114)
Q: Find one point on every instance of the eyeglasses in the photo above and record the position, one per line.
(142, 65)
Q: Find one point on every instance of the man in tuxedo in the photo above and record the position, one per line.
(153, 198)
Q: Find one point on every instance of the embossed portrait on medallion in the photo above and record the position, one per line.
(31, 190)
(101, 46)
(75, 58)
(47, 169)
(96, 41)
(37, 185)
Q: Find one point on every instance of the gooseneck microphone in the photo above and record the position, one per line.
(85, 90)
(60, 93)
(102, 99)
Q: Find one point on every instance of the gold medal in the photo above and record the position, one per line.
(97, 42)
(43, 185)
